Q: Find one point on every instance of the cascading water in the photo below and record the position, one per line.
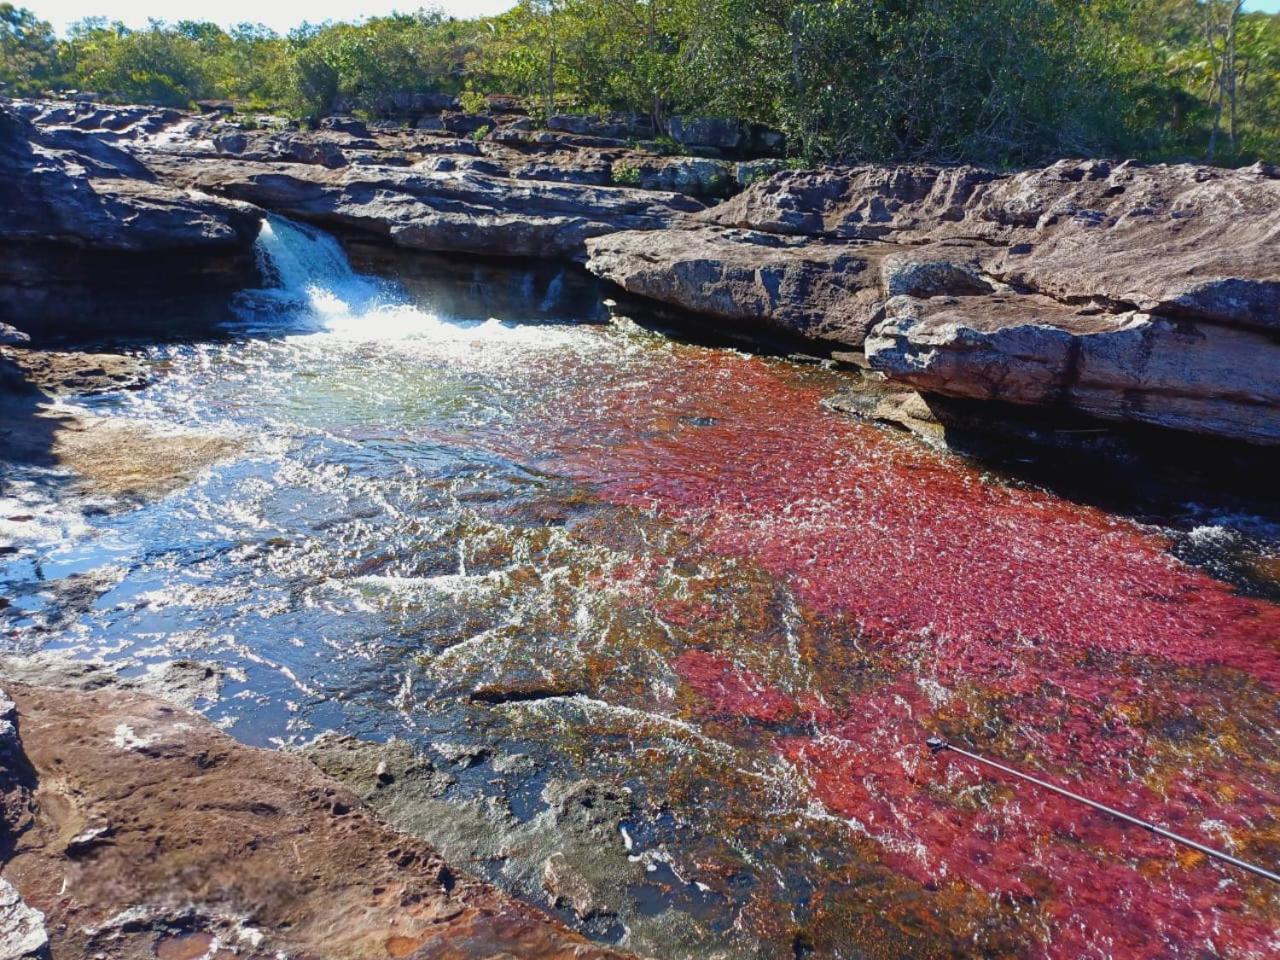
(312, 288)
(567, 561)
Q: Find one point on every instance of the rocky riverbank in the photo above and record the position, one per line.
(1139, 294)
(135, 829)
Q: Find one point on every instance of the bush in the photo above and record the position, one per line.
(626, 174)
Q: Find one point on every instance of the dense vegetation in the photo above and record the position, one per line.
(998, 81)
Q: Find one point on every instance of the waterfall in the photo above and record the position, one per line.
(312, 289)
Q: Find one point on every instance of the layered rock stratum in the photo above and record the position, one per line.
(1143, 294)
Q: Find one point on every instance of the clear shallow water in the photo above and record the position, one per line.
(665, 567)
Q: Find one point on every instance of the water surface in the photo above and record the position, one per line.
(667, 568)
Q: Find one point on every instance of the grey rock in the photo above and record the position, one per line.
(461, 211)
(22, 933)
(696, 176)
(71, 188)
(753, 280)
(11, 336)
(351, 125)
(718, 133)
(1131, 366)
(614, 126)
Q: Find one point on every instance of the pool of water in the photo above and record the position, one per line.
(666, 568)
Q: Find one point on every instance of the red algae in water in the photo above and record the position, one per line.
(913, 542)
(988, 598)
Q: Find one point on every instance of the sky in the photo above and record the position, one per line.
(282, 15)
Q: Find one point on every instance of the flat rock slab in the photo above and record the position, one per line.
(748, 278)
(444, 211)
(1127, 366)
(156, 835)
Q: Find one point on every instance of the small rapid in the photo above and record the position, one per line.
(312, 289)
(653, 616)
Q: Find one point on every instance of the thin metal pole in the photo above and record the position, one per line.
(937, 745)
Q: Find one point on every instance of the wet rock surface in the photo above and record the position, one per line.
(155, 835)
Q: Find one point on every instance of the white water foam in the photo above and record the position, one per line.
(314, 290)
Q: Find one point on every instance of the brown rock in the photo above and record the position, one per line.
(219, 847)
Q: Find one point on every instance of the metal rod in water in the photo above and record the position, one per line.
(937, 745)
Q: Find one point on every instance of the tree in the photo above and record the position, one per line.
(28, 51)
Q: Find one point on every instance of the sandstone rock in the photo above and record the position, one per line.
(11, 336)
(863, 203)
(1130, 366)
(747, 172)
(717, 133)
(818, 291)
(351, 125)
(1181, 240)
(81, 219)
(215, 842)
(281, 147)
(74, 189)
(568, 888)
(616, 126)
(465, 123)
(696, 176)
(462, 211)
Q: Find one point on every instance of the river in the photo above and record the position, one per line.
(550, 550)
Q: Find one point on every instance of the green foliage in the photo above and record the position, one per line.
(994, 81)
(480, 133)
(626, 174)
(472, 101)
(28, 51)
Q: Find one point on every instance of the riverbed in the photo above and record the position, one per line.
(553, 551)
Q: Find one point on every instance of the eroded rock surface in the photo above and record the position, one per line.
(457, 210)
(748, 278)
(82, 221)
(1133, 366)
(1147, 294)
(155, 834)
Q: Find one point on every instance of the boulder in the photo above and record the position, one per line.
(284, 147)
(350, 125)
(1128, 366)
(714, 133)
(747, 172)
(465, 123)
(750, 280)
(614, 126)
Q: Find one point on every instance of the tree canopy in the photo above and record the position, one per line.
(992, 81)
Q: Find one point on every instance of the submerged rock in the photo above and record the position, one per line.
(215, 845)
